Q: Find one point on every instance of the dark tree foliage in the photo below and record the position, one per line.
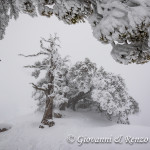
(122, 23)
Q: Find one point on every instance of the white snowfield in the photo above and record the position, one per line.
(25, 134)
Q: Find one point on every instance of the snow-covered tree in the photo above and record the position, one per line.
(90, 87)
(8, 9)
(51, 89)
(122, 23)
(80, 81)
(80, 84)
(111, 95)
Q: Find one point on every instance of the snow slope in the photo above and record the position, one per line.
(25, 134)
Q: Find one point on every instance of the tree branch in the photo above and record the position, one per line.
(37, 88)
(36, 67)
(34, 55)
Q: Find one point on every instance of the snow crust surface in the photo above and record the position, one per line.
(25, 134)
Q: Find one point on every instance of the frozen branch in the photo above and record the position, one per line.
(34, 55)
(38, 88)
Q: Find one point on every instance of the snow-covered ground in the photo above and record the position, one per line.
(25, 134)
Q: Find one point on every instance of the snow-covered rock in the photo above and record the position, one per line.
(4, 127)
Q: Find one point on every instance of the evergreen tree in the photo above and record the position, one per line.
(112, 98)
(122, 23)
(99, 90)
(80, 81)
(79, 86)
(51, 89)
(8, 9)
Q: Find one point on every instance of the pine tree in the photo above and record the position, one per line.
(80, 81)
(112, 98)
(8, 9)
(51, 89)
(122, 23)
(97, 89)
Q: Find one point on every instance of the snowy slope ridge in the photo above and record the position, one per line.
(25, 134)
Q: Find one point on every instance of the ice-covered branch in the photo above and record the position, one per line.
(34, 55)
(38, 88)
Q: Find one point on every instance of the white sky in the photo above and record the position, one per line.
(23, 36)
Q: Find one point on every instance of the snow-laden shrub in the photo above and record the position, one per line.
(111, 95)
(80, 81)
(80, 75)
(90, 87)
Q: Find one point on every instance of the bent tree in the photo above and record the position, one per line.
(50, 89)
(124, 24)
(98, 90)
